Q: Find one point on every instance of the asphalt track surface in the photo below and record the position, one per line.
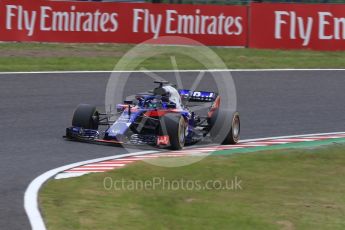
(36, 108)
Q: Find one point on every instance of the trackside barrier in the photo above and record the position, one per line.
(297, 26)
(259, 25)
(49, 21)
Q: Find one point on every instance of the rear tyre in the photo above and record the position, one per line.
(174, 125)
(86, 116)
(225, 127)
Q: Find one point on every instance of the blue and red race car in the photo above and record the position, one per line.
(158, 118)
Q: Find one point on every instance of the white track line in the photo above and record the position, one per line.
(31, 193)
(166, 71)
(338, 134)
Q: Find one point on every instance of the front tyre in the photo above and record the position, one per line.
(175, 126)
(86, 116)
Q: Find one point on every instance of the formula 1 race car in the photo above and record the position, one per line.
(158, 118)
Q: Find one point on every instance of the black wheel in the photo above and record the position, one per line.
(225, 127)
(86, 116)
(174, 125)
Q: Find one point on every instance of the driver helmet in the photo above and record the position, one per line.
(173, 95)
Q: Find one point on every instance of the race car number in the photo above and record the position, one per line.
(203, 96)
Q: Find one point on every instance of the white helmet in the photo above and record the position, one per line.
(174, 96)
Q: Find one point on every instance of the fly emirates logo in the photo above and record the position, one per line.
(288, 24)
(141, 21)
(18, 18)
(195, 23)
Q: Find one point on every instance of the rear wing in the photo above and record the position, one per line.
(198, 96)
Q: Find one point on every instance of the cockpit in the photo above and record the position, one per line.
(163, 96)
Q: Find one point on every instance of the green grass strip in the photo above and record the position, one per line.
(49, 57)
(305, 144)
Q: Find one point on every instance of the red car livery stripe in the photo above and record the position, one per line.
(159, 113)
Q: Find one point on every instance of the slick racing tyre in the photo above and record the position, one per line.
(225, 127)
(86, 116)
(175, 126)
